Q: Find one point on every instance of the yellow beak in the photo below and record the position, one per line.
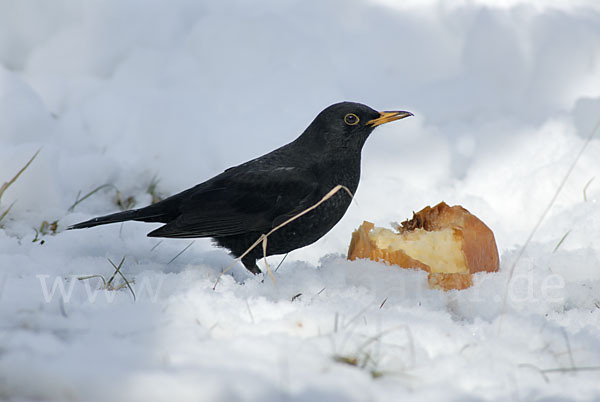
(386, 117)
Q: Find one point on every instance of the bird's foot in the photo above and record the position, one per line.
(250, 265)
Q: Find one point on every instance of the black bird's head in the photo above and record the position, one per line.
(346, 126)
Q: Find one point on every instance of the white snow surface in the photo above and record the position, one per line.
(119, 92)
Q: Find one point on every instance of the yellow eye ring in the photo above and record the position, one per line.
(351, 119)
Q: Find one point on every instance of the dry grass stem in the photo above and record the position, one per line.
(536, 368)
(3, 215)
(382, 303)
(46, 228)
(250, 312)
(264, 247)
(7, 184)
(280, 262)
(543, 372)
(94, 191)
(155, 246)
(118, 271)
(83, 278)
(586, 187)
(570, 352)
(561, 241)
(336, 320)
(570, 369)
(542, 217)
(369, 359)
(124, 203)
(179, 253)
(153, 190)
(107, 285)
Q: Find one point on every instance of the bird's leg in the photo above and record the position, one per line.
(250, 264)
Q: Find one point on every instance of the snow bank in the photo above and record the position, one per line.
(124, 93)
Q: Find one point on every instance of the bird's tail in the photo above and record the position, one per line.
(143, 215)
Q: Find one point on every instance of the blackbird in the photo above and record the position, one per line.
(239, 205)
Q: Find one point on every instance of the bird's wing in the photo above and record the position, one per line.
(243, 201)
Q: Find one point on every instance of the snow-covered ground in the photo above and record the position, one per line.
(127, 93)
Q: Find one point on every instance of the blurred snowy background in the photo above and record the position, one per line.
(130, 93)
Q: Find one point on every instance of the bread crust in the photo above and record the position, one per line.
(472, 242)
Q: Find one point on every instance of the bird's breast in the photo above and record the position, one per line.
(344, 172)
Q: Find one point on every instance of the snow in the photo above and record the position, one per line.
(504, 94)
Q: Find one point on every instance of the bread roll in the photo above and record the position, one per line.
(448, 242)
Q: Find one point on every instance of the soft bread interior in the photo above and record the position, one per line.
(440, 250)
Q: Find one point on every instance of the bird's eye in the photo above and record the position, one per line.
(351, 119)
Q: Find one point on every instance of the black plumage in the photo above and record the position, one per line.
(239, 205)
